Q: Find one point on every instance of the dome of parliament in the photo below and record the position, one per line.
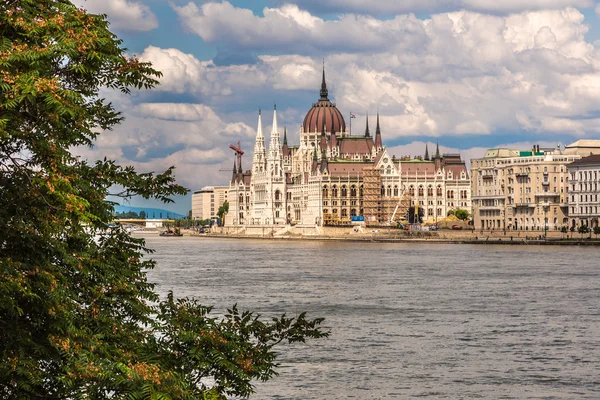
(324, 111)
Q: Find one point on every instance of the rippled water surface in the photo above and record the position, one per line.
(409, 321)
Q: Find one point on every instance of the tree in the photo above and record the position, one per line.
(223, 209)
(461, 214)
(78, 318)
(142, 214)
(583, 229)
(597, 230)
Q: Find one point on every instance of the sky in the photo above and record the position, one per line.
(467, 74)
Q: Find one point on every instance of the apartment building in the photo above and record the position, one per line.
(524, 190)
(584, 176)
(206, 201)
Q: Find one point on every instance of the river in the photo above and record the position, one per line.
(408, 321)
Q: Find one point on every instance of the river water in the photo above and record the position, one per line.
(408, 321)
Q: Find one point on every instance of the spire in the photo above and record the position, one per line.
(240, 171)
(259, 132)
(437, 150)
(378, 142)
(324, 165)
(367, 134)
(324, 91)
(285, 149)
(234, 171)
(426, 153)
(332, 137)
(275, 127)
(315, 155)
(323, 142)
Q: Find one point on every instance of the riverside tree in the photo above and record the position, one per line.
(78, 318)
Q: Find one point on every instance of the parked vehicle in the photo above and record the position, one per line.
(457, 227)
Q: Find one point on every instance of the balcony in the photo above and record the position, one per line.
(491, 208)
(547, 194)
(523, 205)
(522, 174)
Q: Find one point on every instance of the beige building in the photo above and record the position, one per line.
(524, 190)
(584, 176)
(206, 201)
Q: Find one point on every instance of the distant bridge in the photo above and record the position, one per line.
(148, 222)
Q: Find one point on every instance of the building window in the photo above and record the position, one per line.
(344, 191)
(353, 191)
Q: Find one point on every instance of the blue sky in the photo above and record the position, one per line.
(467, 74)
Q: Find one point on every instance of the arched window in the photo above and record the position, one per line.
(439, 190)
(344, 212)
(361, 191)
(325, 191)
(389, 190)
(277, 194)
(420, 191)
(353, 191)
(344, 191)
(382, 190)
(388, 170)
(411, 190)
(334, 211)
(241, 198)
(430, 191)
(353, 212)
(334, 191)
(396, 190)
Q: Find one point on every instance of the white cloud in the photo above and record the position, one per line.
(122, 14)
(383, 7)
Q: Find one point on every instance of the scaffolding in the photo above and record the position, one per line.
(372, 196)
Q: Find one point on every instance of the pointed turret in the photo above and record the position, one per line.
(367, 133)
(323, 143)
(285, 149)
(332, 138)
(275, 154)
(315, 162)
(324, 164)
(234, 175)
(260, 152)
(378, 143)
(438, 157)
(324, 92)
(426, 158)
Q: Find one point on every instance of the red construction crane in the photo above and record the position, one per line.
(238, 153)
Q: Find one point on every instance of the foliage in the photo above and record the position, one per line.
(143, 214)
(78, 318)
(461, 214)
(564, 229)
(583, 229)
(223, 209)
(415, 217)
(450, 212)
(126, 215)
(597, 230)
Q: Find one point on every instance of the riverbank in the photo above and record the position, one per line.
(385, 235)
